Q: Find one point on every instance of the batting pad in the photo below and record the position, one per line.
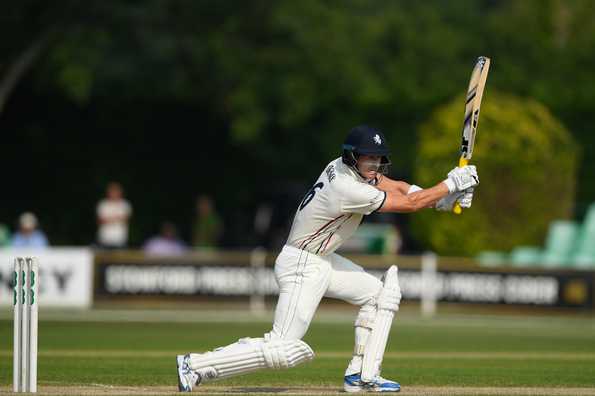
(377, 339)
(250, 354)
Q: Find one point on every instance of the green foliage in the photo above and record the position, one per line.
(527, 163)
(262, 77)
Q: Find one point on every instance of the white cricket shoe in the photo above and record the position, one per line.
(353, 383)
(186, 377)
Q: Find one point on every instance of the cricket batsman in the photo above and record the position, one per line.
(307, 268)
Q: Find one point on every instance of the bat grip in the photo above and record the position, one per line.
(457, 208)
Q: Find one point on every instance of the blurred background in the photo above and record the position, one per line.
(186, 133)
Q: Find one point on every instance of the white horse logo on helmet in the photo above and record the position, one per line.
(377, 139)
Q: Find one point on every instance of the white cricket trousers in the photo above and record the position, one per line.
(304, 278)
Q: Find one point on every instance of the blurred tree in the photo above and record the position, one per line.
(42, 32)
(528, 163)
(149, 90)
(29, 27)
(542, 50)
(318, 69)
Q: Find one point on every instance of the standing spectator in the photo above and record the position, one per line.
(207, 225)
(166, 243)
(113, 214)
(28, 236)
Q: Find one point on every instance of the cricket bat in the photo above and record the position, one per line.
(472, 105)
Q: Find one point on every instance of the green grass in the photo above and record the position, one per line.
(447, 351)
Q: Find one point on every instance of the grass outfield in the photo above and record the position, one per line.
(446, 355)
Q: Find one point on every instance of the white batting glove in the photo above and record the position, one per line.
(460, 179)
(445, 204)
(466, 199)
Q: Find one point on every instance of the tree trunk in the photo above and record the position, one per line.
(19, 67)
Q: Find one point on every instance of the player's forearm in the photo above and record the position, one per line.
(428, 197)
(415, 201)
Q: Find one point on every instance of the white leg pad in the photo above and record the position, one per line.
(250, 354)
(388, 303)
(363, 326)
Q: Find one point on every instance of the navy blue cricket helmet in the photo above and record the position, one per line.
(365, 140)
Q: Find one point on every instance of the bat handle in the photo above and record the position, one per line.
(457, 208)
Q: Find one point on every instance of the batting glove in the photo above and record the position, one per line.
(445, 204)
(467, 198)
(460, 179)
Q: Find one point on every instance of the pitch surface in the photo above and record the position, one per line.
(130, 354)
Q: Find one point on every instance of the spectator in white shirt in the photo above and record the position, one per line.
(113, 214)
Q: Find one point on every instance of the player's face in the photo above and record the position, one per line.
(368, 165)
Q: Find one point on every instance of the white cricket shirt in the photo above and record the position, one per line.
(332, 209)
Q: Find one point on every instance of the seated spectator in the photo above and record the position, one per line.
(113, 214)
(166, 243)
(28, 236)
(4, 235)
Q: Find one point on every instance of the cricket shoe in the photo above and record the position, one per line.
(353, 383)
(186, 377)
